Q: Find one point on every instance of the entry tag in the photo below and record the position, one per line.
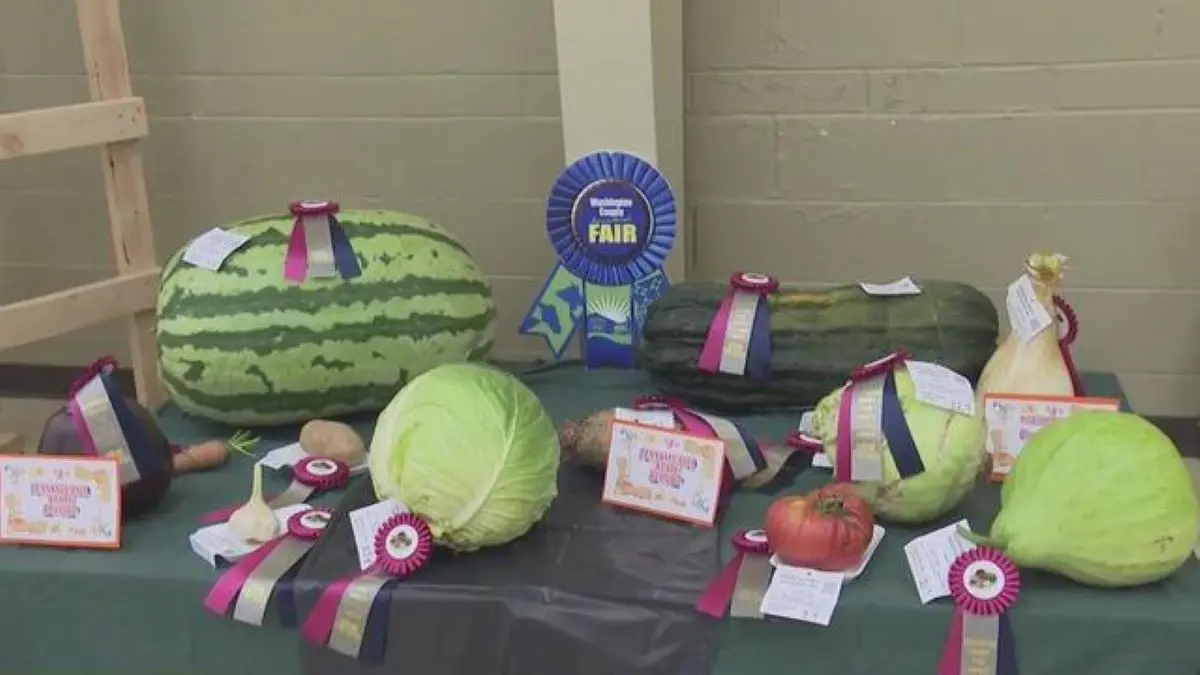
(210, 250)
(1026, 315)
(930, 557)
(365, 524)
(905, 286)
(939, 386)
(803, 594)
(654, 417)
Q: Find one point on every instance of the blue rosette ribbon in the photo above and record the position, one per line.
(611, 219)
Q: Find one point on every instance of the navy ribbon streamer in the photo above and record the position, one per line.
(374, 641)
(756, 453)
(1006, 648)
(147, 463)
(896, 431)
(344, 258)
(758, 358)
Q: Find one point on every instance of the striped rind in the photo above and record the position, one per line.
(245, 347)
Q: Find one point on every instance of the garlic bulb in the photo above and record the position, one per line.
(255, 521)
(1035, 367)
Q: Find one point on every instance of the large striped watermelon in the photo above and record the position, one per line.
(245, 347)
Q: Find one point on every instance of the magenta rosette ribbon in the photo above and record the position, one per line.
(743, 453)
(244, 591)
(318, 246)
(351, 616)
(310, 476)
(984, 584)
(1069, 321)
(403, 545)
(740, 586)
(799, 440)
(739, 339)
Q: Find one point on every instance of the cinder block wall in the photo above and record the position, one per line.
(826, 141)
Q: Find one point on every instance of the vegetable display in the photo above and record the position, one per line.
(817, 339)
(1033, 366)
(470, 449)
(245, 347)
(60, 436)
(949, 444)
(1100, 497)
(827, 529)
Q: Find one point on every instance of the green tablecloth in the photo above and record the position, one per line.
(137, 611)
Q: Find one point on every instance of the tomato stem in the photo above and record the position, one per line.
(832, 505)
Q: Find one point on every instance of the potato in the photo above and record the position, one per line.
(325, 438)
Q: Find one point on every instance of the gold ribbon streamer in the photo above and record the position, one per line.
(255, 594)
(980, 644)
(866, 420)
(776, 456)
(105, 430)
(295, 493)
(319, 242)
(753, 578)
(736, 451)
(743, 308)
(350, 623)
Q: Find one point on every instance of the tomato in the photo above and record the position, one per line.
(827, 529)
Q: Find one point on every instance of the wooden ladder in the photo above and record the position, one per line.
(114, 119)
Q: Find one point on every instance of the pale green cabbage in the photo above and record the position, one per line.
(950, 445)
(470, 449)
(1100, 497)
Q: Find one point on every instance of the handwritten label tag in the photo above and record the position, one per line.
(803, 594)
(365, 523)
(939, 386)
(930, 557)
(666, 473)
(663, 419)
(1025, 313)
(1012, 420)
(283, 456)
(67, 502)
(211, 249)
(216, 543)
(905, 286)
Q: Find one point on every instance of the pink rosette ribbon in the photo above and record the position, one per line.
(1069, 321)
(310, 476)
(740, 586)
(247, 587)
(318, 246)
(984, 584)
(739, 338)
(350, 617)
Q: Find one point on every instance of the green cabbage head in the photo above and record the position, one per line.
(950, 445)
(470, 449)
(1100, 497)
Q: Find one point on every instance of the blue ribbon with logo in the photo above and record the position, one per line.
(611, 220)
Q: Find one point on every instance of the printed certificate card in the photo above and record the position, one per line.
(69, 502)
(664, 472)
(1013, 419)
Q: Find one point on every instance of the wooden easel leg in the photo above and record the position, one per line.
(124, 181)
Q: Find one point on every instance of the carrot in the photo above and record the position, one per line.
(211, 454)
